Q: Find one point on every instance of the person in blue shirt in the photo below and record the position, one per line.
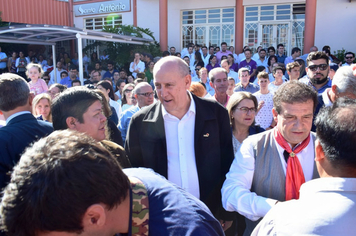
(73, 75)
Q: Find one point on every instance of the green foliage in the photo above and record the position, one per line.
(123, 53)
(340, 54)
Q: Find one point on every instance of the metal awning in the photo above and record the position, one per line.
(50, 34)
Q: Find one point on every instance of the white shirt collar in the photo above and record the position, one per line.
(190, 110)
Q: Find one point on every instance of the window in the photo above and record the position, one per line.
(99, 22)
(269, 25)
(208, 26)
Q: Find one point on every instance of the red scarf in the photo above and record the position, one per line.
(294, 176)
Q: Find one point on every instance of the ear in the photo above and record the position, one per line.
(319, 152)
(334, 89)
(288, 73)
(136, 96)
(31, 96)
(306, 69)
(275, 115)
(188, 81)
(211, 84)
(71, 121)
(94, 216)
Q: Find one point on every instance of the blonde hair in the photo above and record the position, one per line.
(38, 66)
(37, 99)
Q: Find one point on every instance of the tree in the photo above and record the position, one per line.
(122, 53)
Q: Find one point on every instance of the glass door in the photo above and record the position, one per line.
(274, 34)
(214, 35)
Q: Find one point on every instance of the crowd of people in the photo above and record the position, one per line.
(198, 142)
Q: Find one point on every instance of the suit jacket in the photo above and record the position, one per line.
(118, 152)
(146, 147)
(18, 134)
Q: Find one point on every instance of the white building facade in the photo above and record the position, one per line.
(237, 22)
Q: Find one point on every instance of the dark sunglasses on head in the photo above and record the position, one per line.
(321, 67)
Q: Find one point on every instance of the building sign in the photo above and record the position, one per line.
(102, 7)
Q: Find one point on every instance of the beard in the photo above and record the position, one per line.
(319, 81)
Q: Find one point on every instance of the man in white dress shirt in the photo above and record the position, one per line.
(182, 137)
(327, 205)
(260, 174)
(137, 65)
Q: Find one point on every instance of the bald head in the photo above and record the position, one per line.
(173, 64)
(141, 86)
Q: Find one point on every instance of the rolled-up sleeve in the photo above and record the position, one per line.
(236, 194)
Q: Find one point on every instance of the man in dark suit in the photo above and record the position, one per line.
(22, 128)
(184, 138)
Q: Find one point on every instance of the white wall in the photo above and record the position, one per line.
(336, 24)
(148, 16)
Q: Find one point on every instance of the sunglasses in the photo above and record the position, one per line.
(348, 57)
(322, 67)
(128, 90)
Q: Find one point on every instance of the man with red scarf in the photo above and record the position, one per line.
(271, 166)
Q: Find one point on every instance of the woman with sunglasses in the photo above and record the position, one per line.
(127, 97)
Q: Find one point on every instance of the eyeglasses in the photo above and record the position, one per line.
(321, 67)
(146, 94)
(246, 109)
(128, 90)
(349, 57)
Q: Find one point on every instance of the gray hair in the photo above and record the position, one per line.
(14, 91)
(345, 80)
(138, 87)
(215, 71)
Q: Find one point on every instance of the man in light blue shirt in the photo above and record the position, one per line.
(230, 73)
(295, 53)
(145, 96)
(262, 61)
(73, 75)
(245, 85)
